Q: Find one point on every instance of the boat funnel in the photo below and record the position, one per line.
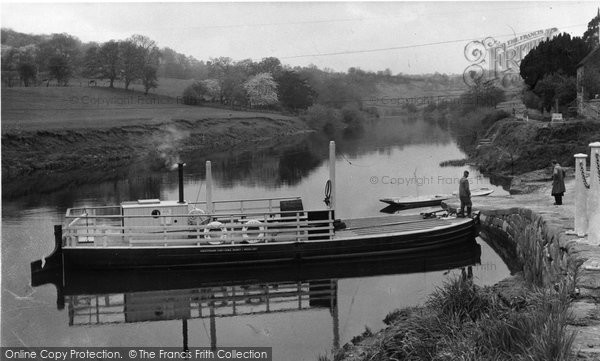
(180, 170)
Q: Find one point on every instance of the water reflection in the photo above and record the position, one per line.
(94, 298)
(270, 163)
(290, 166)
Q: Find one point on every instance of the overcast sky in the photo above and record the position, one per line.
(299, 33)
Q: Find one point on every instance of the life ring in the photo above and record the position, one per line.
(196, 217)
(214, 227)
(253, 231)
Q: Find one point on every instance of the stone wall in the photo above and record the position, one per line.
(534, 245)
(537, 244)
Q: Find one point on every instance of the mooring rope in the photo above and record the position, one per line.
(585, 183)
(327, 199)
(356, 165)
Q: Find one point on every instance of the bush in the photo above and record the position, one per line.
(372, 111)
(190, 96)
(430, 108)
(319, 116)
(484, 94)
(354, 120)
(556, 88)
(531, 100)
(411, 108)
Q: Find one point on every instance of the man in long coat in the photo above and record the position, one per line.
(558, 183)
(464, 193)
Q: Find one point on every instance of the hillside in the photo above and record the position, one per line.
(48, 108)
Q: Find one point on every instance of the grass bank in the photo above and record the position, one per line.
(461, 321)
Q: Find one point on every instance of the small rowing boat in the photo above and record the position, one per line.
(431, 200)
(478, 192)
(420, 201)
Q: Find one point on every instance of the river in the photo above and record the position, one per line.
(395, 157)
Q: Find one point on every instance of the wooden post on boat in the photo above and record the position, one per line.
(180, 181)
(332, 173)
(209, 203)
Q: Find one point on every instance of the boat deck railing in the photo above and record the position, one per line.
(224, 301)
(255, 221)
(245, 205)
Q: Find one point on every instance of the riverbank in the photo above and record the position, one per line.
(511, 147)
(50, 151)
(52, 130)
(529, 233)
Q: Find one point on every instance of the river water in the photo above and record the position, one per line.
(395, 157)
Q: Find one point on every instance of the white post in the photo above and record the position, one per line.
(209, 202)
(594, 199)
(332, 173)
(581, 192)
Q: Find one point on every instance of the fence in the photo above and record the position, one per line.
(587, 195)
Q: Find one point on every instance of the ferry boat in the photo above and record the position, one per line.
(154, 233)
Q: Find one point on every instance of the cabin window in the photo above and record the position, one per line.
(155, 213)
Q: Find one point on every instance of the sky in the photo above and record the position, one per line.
(406, 37)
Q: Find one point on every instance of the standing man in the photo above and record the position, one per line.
(464, 193)
(558, 183)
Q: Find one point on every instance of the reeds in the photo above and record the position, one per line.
(461, 321)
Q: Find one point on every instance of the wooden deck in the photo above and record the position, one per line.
(393, 224)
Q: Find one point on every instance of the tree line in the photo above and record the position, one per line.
(34, 60)
(550, 70)
(30, 60)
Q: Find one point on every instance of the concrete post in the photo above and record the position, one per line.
(581, 193)
(594, 199)
(209, 203)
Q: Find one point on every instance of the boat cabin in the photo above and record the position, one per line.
(156, 222)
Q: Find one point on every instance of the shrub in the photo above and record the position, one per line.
(461, 299)
(531, 100)
(411, 108)
(372, 111)
(430, 107)
(354, 120)
(320, 116)
(190, 96)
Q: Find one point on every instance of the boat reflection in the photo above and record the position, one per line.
(98, 298)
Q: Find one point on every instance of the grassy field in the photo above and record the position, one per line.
(74, 107)
(166, 86)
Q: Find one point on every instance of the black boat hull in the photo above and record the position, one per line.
(90, 282)
(276, 252)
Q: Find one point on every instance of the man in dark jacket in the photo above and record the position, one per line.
(558, 183)
(464, 193)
